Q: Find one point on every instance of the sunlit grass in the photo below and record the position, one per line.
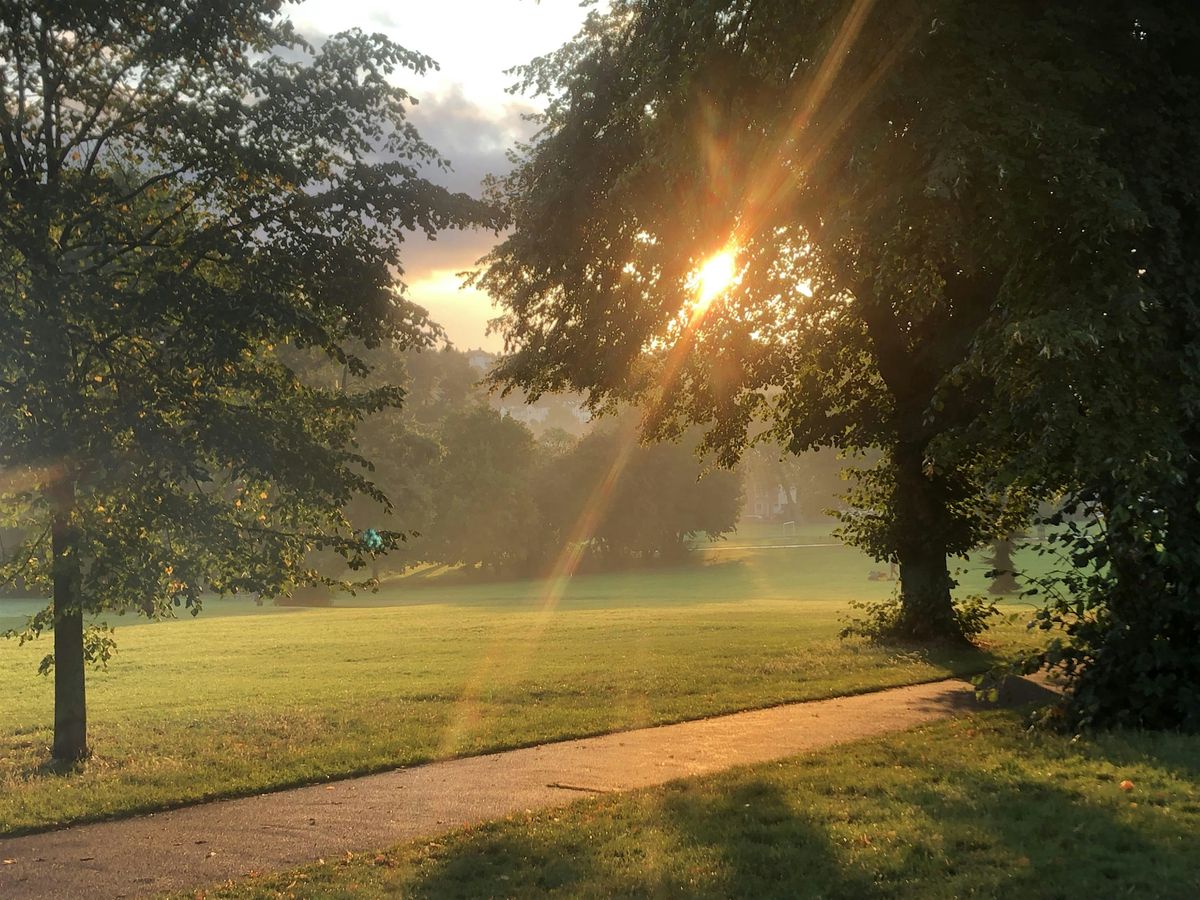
(971, 807)
(227, 704)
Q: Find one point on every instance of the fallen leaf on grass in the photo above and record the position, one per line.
(1127, 785)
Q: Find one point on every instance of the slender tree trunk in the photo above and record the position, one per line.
(789, 503)
(1005, 579)
(1183, 533)
(70, 706)
(926, 607)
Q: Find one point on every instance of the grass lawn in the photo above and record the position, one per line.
(968, 807)
(248, 698)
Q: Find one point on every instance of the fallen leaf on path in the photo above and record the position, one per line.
(9, 862)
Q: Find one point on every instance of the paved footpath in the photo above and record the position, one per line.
(206, 844)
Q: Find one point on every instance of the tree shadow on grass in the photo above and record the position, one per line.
(676, 842)
(956, 660)
(1009, 833)
(995, 825)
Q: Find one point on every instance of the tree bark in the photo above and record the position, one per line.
(70, 704)
(926, 606)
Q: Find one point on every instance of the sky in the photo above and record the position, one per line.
(464, 111)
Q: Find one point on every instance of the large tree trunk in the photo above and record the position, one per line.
(70, 706)
(926, 607)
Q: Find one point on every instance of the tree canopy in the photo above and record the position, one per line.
(941, 223)
(180, 199)
(882, 221)
(476, 487)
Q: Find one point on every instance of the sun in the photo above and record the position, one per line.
(717, 274)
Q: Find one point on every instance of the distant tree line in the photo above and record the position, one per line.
(472, 486)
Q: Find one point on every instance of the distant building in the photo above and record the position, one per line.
(765, 500)
(523, 412)
(480, 360)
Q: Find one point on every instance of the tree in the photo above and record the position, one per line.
(178, 202)
(869, 171)
(1004, 577)
(1107, 397)
(665, 499)
(658, 501)
(483, 511)
(438, 384)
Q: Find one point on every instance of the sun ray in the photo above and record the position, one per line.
(714, 277)
(510, 659)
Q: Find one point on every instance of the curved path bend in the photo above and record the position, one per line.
(212, 842)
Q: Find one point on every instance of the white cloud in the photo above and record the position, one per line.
(463, 312)
(473, 41)
(464, 111)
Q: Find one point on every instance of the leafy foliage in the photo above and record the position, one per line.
(1121, 623)
(882, 621)
(475, 487)
(967, 241)
(178, 203)
(1112, 400)
(662, 499)
(882, 220)
(484, 509)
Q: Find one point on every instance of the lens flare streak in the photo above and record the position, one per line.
(510, 660)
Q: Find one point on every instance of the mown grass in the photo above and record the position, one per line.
(245, 698)
(973, 807)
